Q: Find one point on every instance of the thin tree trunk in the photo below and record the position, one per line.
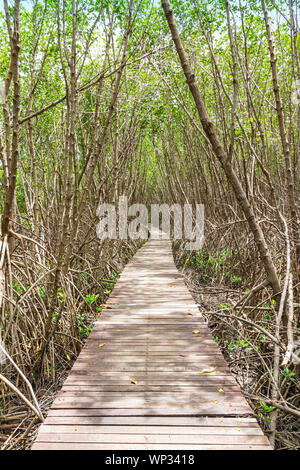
(292, 211)
(14, 68)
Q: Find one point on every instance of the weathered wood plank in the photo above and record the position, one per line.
(207, 410)
(152, 438)
(155, 389)
(137, 357)
(216, 407)
(48, 428)
(169, 421)
(114, 446)
(163, 379)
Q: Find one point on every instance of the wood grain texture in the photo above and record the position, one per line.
(159, 381)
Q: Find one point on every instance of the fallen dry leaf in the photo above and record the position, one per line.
(101, 345)
(208, 370)
(201, 335)
(68, 357)
(196, 331)
(133, 382)
(185, 355)
(220, 390)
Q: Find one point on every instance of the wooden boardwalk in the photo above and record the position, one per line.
(150, 375)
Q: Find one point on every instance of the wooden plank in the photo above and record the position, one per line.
(181, 395)
(114, 447)
(153, 346)
(155, 389)
(157, 430)
(184, 421)
(216, 366)
(188, 368)
(152, 438)
(153, 337)
(147, 400)
(201, 407)
(137, 357)
(153, 379)
(148, 350)
(207, 410)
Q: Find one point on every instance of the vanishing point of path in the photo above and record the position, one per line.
(150, 375)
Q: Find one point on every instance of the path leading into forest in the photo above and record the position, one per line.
(150, 375)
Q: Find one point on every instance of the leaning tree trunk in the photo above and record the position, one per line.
(221, 154)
